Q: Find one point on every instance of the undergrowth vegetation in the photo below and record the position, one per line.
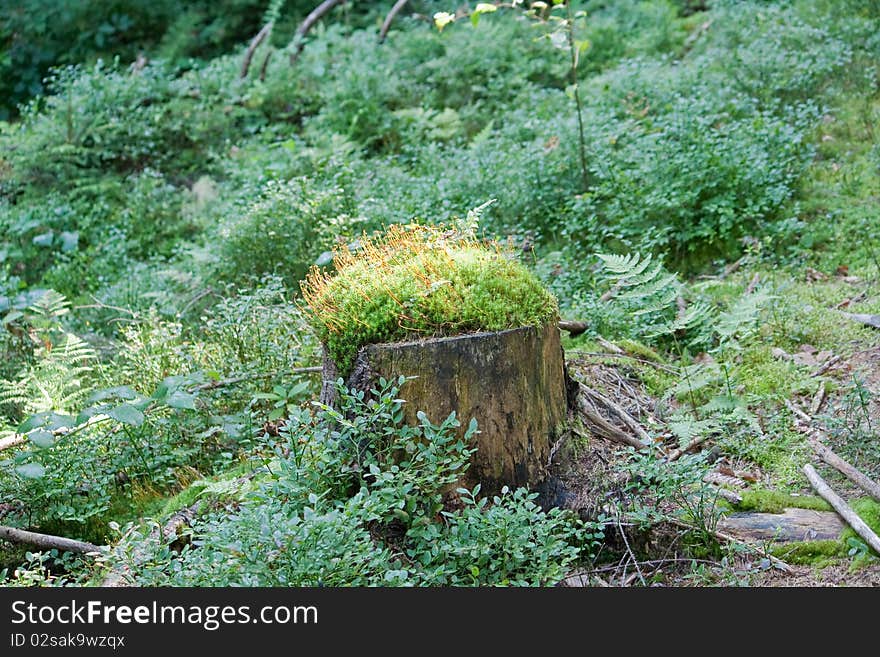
(697, 182)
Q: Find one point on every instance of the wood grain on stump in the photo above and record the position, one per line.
(513, 382)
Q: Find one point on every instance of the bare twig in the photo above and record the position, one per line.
(676, 454)
(400, 4)
(627, 419)
(630, 552)
(864, 482)
(211, 385)
(827, 365)
(265, 65)
(305, 27)
(47, 541)
(818, 399)
(608, 295)
(252, 48)
(794, 409)
(604, 429)
(753, 283)
(842, 508)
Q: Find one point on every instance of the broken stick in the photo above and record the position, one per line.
(843, 509)
(47, 541)
(864, 482)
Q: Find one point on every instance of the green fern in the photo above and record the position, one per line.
(54, 380)
(685, 427)
(740, 321)
(48, 308)
(648, 290)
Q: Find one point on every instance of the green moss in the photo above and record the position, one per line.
(810, 553)
(774, 501)
(414, 282)
(869, 511)
(639, 350)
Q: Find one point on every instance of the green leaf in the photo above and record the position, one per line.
(180, 399)
(121, 392)
(127, 414)
(41, 438)
(47, 420)
(31, 470)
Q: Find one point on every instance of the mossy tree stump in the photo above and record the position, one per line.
(513, 382)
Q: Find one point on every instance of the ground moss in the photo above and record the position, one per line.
(869, 511)
(418, 281)
(774, 501)
(639, 350)
(810, 553)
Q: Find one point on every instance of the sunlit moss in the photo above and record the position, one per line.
(415, 282)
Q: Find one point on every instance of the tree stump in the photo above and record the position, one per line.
(513, 382)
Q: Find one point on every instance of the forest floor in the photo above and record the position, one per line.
(660, 554)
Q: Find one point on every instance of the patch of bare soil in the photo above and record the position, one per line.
(834, 575)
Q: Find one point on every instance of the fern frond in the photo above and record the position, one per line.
(50, 305)
(624, 265)
(687, 427)
(740, 320)
(696, 377)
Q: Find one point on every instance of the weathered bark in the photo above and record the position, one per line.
(791, 525)
(513, 382)
(400, 4)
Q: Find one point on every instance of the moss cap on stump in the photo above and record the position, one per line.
(416, 282)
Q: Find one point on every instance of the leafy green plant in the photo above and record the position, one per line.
(363, 495)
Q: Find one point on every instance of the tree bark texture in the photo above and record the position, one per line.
(513, 382)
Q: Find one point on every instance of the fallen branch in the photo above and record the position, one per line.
(47, 541)
(868, 320)
(573, 328)
(676, 454)
(603, 428)
(723, 480)
(19, 438)
(625, 417)
(252, 48)
(864, 482)
(727, 538)
(827, 365)
(729, 495)
(843, 509)
(305, 27)
(400, 4)
(211, 385)
(12, 441)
